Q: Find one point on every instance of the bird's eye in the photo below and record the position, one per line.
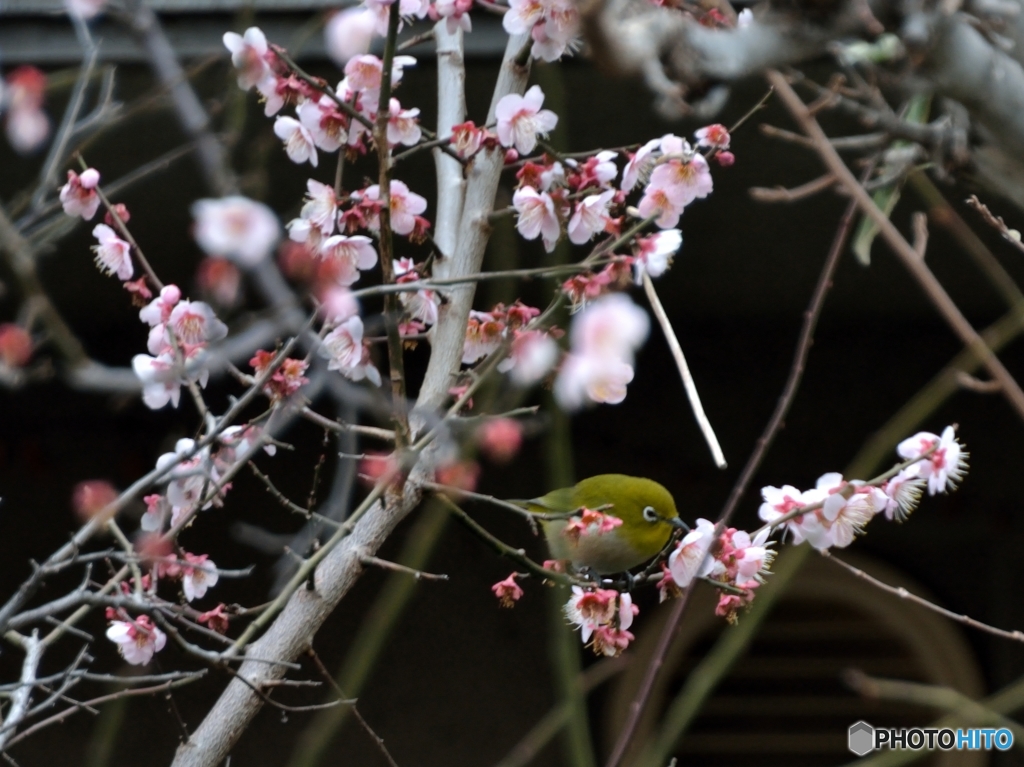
(650, 514)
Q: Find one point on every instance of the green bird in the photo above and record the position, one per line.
(648, 514)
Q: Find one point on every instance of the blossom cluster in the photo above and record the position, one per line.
(836, 510)
(603, 617)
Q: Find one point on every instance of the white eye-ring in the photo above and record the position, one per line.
(650, 514)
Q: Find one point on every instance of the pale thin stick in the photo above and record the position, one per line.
(684, 372)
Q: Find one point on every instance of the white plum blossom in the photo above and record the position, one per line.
(198, 574)
(604, 616)
(137, 640)
(521, 120)
(690, 558)
(603, 339)
(779, 501)
(318, 216)
(654, 254)
(536, 216)
(348, 33)
(406, 9)
(27, 126)
(79, 196)
(553, 25)
(533, 355)
(405, 206)
(455, 13)
(346, 352)
(349, 255)
(639, 165)
(903, 493)
(327, 126)
(422, 305)
(744, 18)
(338, 304)
(112, 253)
(664, 203)
(298, 141)
(483, 335)
(403, 125)
(590, 217)
(237, 228)
(158, 311)
(160, 382)
(249, 56)
(945, 467)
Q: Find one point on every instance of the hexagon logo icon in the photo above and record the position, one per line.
(861, 738)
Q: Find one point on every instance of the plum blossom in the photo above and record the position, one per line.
(713, 136)
(945, 467)
(467, 138)
(346, 352)
(137, 640)
(603, 339)
(79, 196)
(194, 322)
(500, 439)
(455, 12)
(903, 493)
(27, 125)
(249, 57)
(160, 381)
(403, 125)
(338, 304)
(603, 615)
(654, 254)
(840, 519)
(690, 558)
(283, 382)
(639, 165)
(298, 141)
(521, 120)
(533, 355)
(406, 9)
(422, 305)
(590, 217)
(325, 123)
(112, 253)
(198, 574)
(483, 335)
(779, 501)
(405, 207)
(318, 217)
(349, 255)
(508, 591)
(235, 227)
(536, 216)
(348, 33)
(553, 25)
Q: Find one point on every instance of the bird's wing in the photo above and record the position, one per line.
(555, 501)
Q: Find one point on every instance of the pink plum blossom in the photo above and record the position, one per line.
(249, 56)
(405, 206)
(603, 615)
(237, 228)
(346, 352)
(467, 139)
(338, 304)
(945, 467)
(137, 640)
(483, 335)
(639, 165)
(665, 203)
(194, 322)
(500, 439)
(536, 216)
(158, 311)
(298, 141)
(348, 33)
(521, 120)
(713, 137)
(112, 253)
(587, 379)
(79, 196)
(508, 591)
(27, 125)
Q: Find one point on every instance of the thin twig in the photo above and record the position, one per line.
(384, 564)
(684, 372)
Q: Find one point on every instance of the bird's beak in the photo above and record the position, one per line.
(677, 522)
